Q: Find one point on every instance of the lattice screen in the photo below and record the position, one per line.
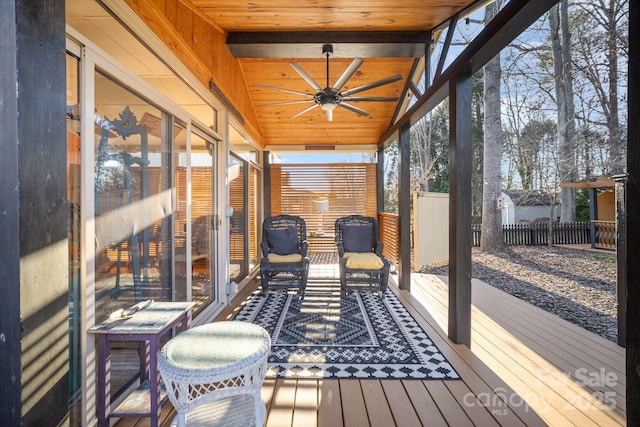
(350, 187)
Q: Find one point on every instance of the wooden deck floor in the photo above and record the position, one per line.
(525, 367)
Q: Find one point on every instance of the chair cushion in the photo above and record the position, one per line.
(364, 260)
(283, 241)
(284, 258)
(357, 237)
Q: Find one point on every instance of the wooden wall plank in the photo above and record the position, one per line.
(287, 15)
(174, 25)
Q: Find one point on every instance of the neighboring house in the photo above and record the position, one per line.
(520, 206)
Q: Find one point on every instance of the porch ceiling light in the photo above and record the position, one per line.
(328, 106)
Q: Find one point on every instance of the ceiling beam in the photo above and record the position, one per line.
(346, 44)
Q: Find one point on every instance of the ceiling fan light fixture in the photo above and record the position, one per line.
(328, 106)
(329, 115)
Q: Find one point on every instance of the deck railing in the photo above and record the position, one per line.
(569, 233)
(533, 234)
(605, 234)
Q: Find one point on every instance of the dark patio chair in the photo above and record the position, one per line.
(285, 264)
(362, 265)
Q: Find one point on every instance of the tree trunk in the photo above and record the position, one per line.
(617, 147)
(492, 240)
(560, 44)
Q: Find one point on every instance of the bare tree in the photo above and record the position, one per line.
(600, 54)
(429, 151)
(492, 239)
(563, 83)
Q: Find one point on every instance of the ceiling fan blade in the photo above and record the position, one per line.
(369, 98)
(275, 104)
(372, 85)
(305, 76)
(295, 92)
(354, 109)
(350, 71)
(304, 111)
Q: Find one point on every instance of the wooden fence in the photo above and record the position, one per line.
(389, 224)
(569, 233)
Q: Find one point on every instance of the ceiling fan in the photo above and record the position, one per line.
(332, 96)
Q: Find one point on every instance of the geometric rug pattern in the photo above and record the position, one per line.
(359, 335)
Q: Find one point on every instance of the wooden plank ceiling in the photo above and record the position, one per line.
(266, 36)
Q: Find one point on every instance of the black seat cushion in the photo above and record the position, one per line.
(283, 241)
(357, 237)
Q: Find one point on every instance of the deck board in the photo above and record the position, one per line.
(400, 402)
(329, 404)
(448, 405)
(354, 408)
(282, 403)
(518, 353)
(306, 405)
(376, 403)
(536, 367)
(423, 404)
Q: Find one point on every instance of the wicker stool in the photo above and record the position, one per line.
(213, 374)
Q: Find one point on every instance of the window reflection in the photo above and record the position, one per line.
(132, 201)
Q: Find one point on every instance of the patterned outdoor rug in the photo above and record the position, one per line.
(357, 336)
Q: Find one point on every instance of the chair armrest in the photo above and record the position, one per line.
(340, 249)
(304, 246)
(379, 248)
(265, 249)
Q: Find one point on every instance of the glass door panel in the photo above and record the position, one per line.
(238, 242)
(132, 203)
(202, 221)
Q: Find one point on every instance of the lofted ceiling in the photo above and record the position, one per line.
(265, 36)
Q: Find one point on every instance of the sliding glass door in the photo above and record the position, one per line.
(195, 257)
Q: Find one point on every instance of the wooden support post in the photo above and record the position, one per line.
(380, 179)
(621, 250)
(43, 210)
(404, 209)
(10, 336)
(266, 179)
(593, 215)
(460, 208)
(633, 223)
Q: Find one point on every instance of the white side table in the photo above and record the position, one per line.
(213, 374)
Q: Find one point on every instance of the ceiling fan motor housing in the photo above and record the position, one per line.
(327, 96)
